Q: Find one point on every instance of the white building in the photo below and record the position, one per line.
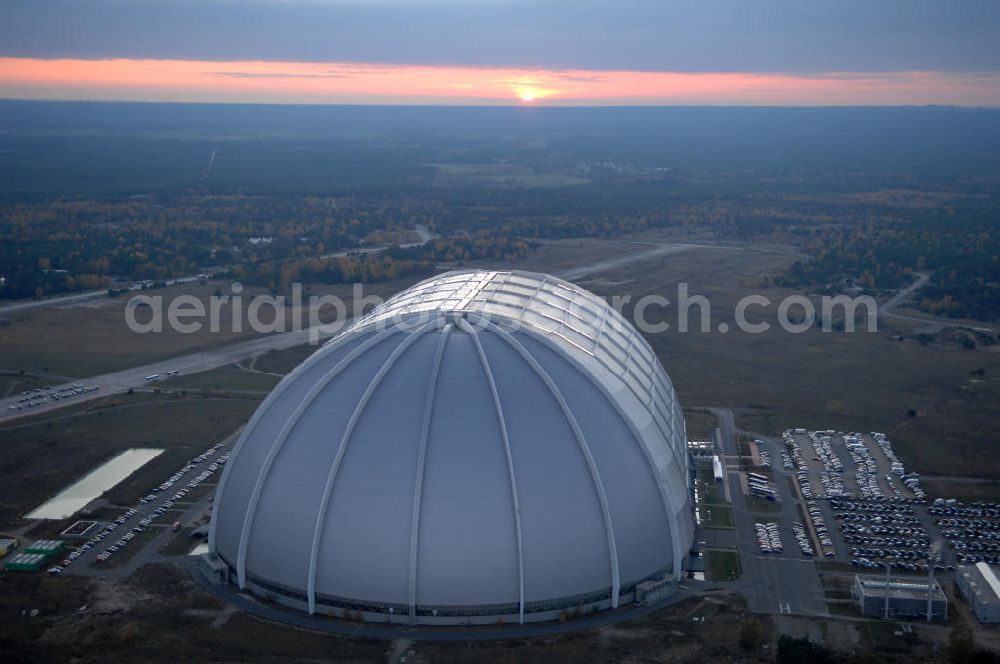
(900, 597)
(981, 589)
(484, 447)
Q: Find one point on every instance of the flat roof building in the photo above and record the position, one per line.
(981, 589)
(45, 547)
(900, 597)
(24, 562)
(701, 450)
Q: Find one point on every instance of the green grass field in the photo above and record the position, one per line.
(718, 515)
(224, 378)
(722, 564)
(283, 361)
(712, 490)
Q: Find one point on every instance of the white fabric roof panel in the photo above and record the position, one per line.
(483, 439)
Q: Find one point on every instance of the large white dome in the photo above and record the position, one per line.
(484, 444)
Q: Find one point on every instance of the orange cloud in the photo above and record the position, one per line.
(298, 82)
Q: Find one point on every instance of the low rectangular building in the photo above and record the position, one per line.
(214, 568)
(981, 589)
(701, 451)
(900, 597)
(24, 562)
(7, 544)
(651, 592)
(45, 547)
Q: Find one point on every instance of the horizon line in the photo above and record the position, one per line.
(485, 106)
(339, 83)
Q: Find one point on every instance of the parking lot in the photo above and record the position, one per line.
(34, 398)
(972, 531)
(842, 498)
(860, 506)
(163, 510)
(869, 511)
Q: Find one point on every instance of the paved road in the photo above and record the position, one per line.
(656, 251)
(931, 324)
(785, 584)
(76, 298)
(424, 236)
(121, 381)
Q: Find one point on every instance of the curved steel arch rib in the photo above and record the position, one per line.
(279, 442)
(584, 450)
(464, 325)
(418, 483)
(345, 440)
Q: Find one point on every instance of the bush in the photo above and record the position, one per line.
(801, 651)
(961, 645)
(751, 635)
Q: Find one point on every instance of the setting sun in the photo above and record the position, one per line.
(529, 93)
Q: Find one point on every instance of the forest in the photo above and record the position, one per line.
(94, 196)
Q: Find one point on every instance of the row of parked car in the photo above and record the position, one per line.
(878, 512)
(973, 558)
(95, 540)
(792, 459)
(952, 508)
(903, 565)
(914, 543)
(979, 524)
(192, 465)
(833, 485)
(765, 458)
(972, 530)
(878, 528)
(866, 468)
(803, 539)
(769, 538)
(819, 525)
(823, 449)
(970, 540)
(36, 397)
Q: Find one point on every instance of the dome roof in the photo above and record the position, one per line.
(482, 444)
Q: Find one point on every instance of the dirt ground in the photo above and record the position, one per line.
(159, 614)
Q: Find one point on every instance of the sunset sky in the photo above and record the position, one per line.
(556, 52)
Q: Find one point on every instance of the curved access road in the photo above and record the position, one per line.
(931, 324)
